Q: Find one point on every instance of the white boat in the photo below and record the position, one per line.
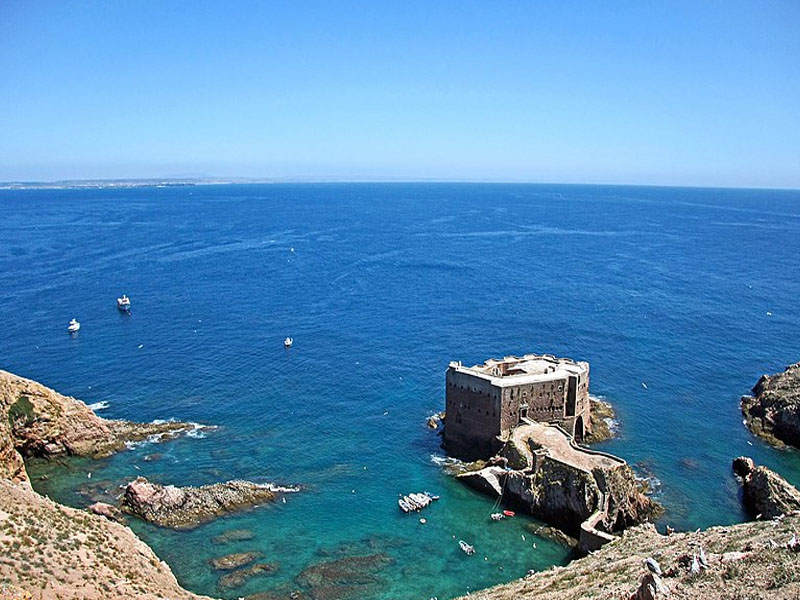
(497, 516)
(403, 505)
(124, 303)
(468, 550)
(73, 326)
(421, 499)
(287, 343)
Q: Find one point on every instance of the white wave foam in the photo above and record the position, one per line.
(285, 489)
(444, 460)
(99, 405)
(198, 430)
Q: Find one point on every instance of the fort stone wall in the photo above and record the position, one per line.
(473, 408)
(486, 402)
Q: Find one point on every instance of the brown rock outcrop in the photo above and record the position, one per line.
(773, 411)
(587, 494)
(435, 420)
(38, 421)
(49, 551)
(187, 507)
(765, 493)
(112, 513)
(603, 421)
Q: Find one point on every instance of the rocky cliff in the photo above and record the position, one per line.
(54, 552)
(588, 495)
(50, 551)
(38, 421)
(765, 494)
(773, 411)
(750, 561)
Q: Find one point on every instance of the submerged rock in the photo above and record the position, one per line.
(233, 535)
(186, 507)
(280, 593)
(773, 411)
(344, 578)
(238, 578)
(766, 494)
(234, 561)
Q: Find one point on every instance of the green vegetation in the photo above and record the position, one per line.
(21, 411)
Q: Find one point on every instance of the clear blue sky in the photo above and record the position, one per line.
(684, 93)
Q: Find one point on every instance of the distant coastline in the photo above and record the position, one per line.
(99, 184)
(159, 182)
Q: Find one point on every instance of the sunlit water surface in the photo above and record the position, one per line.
(692, 292)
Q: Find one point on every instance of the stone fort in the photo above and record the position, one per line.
(484, 403)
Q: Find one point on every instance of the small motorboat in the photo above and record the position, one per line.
(73, 326)
(508, 513)
(124, 303)
(421, 499)
(287, 343)
(497, 516)
(466, 548)
(404, 505)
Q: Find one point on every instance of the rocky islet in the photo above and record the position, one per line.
(773, 410)
(187, 507)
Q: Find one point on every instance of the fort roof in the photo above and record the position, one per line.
(531, 368)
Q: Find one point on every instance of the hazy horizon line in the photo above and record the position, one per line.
(212, 180)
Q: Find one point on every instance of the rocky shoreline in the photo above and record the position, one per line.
(52, 551)
(66, 553)
(588, 495)
(773, 411)
(188, 507)
(39, 422)
(748, 561)
(765, 494)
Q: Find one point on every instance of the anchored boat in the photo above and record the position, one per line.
(413, 501)
(73, 326)
(124, 303)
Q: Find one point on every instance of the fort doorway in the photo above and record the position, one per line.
(579, 429)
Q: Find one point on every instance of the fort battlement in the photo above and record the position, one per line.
(485, 402)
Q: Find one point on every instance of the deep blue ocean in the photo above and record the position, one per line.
(693, 292)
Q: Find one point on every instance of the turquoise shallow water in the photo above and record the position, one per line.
(380, 286)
